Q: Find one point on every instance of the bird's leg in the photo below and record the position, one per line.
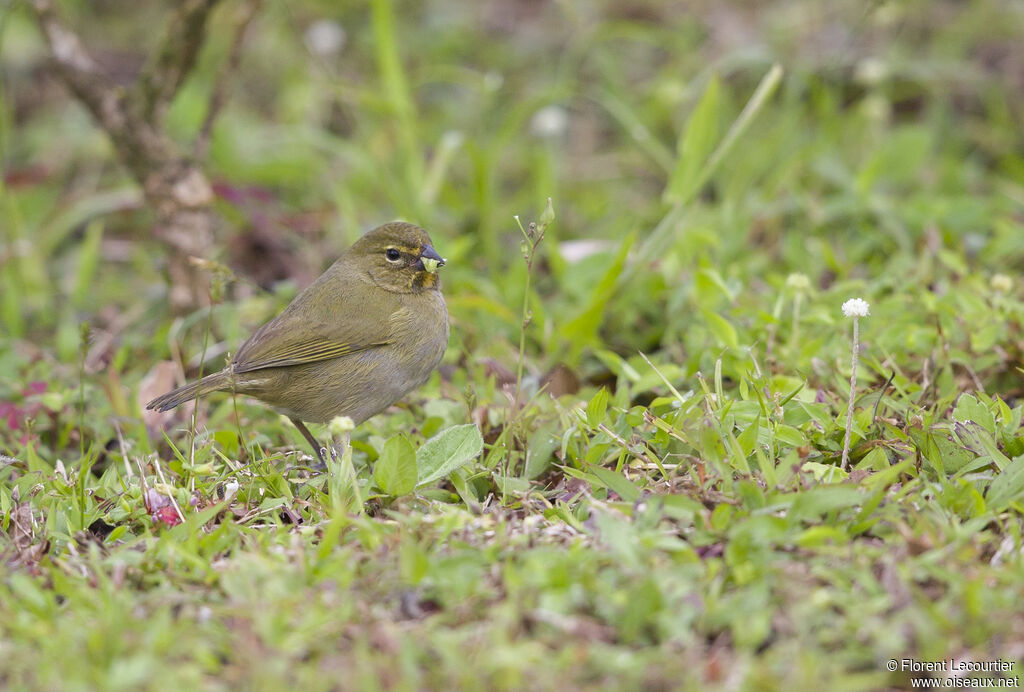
(317, 449)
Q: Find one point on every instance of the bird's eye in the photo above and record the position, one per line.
(393, 254)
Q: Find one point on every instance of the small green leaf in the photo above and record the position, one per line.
(724, 332)
(751, 494)
(597, 407)
(748, 438)
(615, 482)
(395, 470)
(823, 499)
(548, 215)
(825, 473)
(970, 410)
(116, 534)
(413, 562)
(710, 286)
(1007, 486)
(447, 451)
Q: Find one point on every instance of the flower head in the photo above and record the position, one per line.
(856, 307)
(325, 37)
(798, 282)
(1001, 283)
(549, 121)
(340, 425)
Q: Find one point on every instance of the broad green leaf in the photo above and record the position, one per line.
(447, 451)
(875, 460)
(540, 448)
(510, 485)
(788, 435)
(395, 470)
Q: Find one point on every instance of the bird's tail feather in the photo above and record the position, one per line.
(188, 392)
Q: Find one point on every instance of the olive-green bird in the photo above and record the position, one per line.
(369, 330)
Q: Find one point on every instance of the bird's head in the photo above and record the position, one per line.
(399, 257)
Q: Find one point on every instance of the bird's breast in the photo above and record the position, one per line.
(419, 335)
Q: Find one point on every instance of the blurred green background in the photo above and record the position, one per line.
(891, 148)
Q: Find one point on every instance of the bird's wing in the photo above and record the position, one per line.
(333, 317)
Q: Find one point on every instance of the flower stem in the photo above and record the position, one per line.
(853, 386)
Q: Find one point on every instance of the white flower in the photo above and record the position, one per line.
(340, 425)
(856, 307)
(798, 282)
(549, 121)
(325, 37)
(871, 71)
(1001, 283)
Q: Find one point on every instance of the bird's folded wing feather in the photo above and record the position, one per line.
(313, 329)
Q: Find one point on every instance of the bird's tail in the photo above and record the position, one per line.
(211, 383)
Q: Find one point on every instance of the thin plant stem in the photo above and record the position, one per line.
(195, 406)
(343, 485)
(853, 387)
(795, 331)
(532, 238)
(350, 470)
(83, 354)
(522, 332)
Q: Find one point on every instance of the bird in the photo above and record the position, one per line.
(369, 330)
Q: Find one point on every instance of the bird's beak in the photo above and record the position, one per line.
(430, 260)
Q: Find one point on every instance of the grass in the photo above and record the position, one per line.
(627, 472)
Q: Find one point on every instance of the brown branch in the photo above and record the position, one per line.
(219, 93)
(139, 146)
(174, 185)
(78, 70)
(173, 60)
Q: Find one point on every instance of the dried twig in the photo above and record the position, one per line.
(174, 59)
(78, 70)
(174, 186)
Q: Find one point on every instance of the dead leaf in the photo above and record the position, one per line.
(161, 378)
(561, 380)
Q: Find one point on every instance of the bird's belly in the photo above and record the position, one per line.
(359, 385)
